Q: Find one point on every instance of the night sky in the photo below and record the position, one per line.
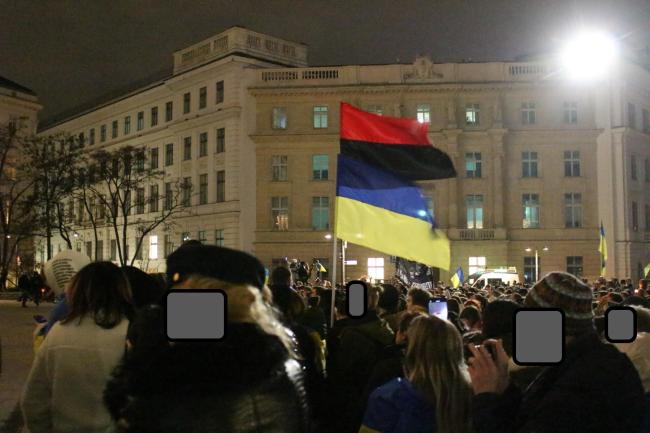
(70, 52)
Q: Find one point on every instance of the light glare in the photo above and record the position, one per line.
(588, 56)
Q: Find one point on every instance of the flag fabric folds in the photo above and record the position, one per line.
(458, 277)
(646, 271)
(602, 248)
(377, 205)
(400, 146)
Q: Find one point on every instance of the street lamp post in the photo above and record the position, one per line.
(536, 260)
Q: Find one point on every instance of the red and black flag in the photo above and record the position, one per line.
(399, 146)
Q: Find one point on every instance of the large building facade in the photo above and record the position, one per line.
(541, 161)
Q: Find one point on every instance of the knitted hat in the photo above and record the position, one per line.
(225, 264)
(566, 292)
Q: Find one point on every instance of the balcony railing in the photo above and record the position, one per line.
(476, 235)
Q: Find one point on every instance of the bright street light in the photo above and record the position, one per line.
(529, 249)
(328, 236)
(588, 55)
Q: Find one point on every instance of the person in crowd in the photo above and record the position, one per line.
(63, 393)
(145, 288)
(390, 364)
(25, 289)
(35, 286)
(280, 284)
(573, 396)
(418, 300)
(314, 317)
(303, 272)
(434, 395)
(388, 306)
(247, 382)
(360, 345)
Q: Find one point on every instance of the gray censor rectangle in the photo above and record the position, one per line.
(356, 299)
(196, 315)
(539, 337)
(621, 325)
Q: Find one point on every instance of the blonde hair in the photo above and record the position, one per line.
(435, 366)
(246, 304)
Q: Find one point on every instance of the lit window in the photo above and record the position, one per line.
(320, 117)
(279, 118)
(530, 203)
(474, 205)
(376, 268)
(423, 113)
(280, 213)
(476, 264)
(472, 114)
(153, 247)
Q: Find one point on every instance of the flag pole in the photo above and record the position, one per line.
(333, 279)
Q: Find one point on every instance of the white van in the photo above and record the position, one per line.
(494, 277)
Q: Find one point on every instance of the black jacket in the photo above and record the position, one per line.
(244, 383)
(595, 390)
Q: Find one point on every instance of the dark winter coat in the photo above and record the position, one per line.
(595, 390)
(244, 383)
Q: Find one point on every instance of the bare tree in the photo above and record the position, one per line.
(117, 180)
(17, 218)
(52, 163)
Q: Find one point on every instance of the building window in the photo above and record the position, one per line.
(571, 163)
(89, 249)
(376, 109)
(139, 201)
(530, 274)
(203, 144)
(570, 112)
(91, 136)
(474, 205)
(320, 213)
(279, 166)
(169, 111)
(320, 167)
(187, 192)
(82, 139)
(280, 213)
(218, 238)
(169, 196)
(153, 198)
(127, 125)
(635, 216)
(153, 247)
(529, 164)
(221, 140)
(139, 161)
(279, 118)
(320, 117)
(646, 164)
(169, 154)
(476, 264)
(113, 249)
(473, 164)
(645, 115)
(631, 115)
(220, 92)
(203, 97)
(221, 186)
(528, 113)
(186, 102)
(530, 203)
(423, 113)
(187, 148)
(185, 236)
(102, 133)
(140, 120)
(203, 189)
(168, 247)
(573, 210)
(633, 167)
(472, 112)
(154, 158)
(99, 250)
(376, 268)
(202, 237)
(154, 116)
(574, 265)
(114, 129)
(647, 217)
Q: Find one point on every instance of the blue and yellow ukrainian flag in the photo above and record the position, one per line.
(458, 277)
(378, 210)
(602, 248)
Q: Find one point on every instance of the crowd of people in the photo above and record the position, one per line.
(106, 364)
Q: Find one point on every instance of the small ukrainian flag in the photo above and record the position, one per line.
(458, 277)
(602, 248)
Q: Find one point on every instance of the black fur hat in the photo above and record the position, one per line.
(217, 262)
